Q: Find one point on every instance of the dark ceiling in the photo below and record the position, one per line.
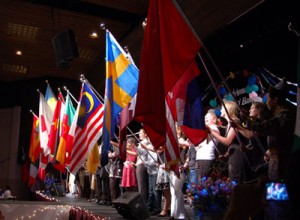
(30, 25)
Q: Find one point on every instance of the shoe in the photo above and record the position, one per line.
(155, 212)
(164, 213)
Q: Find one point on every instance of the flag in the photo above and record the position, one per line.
(88, 127)
(71, 134)
(35, 148)
(68, 116)
(126, 117)
(50, 97)
(186, 106)
(294, 176)
(43, 162)
(54, 129)
(172, 152)
(25, 171)
(33, 172)
(45, 116)
(93, 160)
(165, 56)
(120, 88)
(296, 146)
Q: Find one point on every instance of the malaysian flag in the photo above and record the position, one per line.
(88, 127)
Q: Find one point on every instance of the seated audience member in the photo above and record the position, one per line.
(7, 193)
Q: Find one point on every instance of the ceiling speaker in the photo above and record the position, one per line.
(65, 48)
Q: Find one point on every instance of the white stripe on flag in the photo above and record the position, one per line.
(171, 138)
(85, 139)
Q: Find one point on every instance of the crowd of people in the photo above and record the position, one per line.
(257, 144)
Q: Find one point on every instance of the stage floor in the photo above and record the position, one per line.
(9, 207)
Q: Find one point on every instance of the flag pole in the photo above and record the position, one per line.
(68, 91)
(82, 78)
(33, 113)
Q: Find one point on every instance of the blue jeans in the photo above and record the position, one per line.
(153, 196)
(193, 176)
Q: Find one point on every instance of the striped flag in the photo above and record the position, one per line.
(120, 87)
(88, 127)
(172, 147)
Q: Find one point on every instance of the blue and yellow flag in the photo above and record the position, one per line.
(50, 97)
(121, 86)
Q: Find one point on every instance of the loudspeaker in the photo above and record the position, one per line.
(131, 205)
(65, 48)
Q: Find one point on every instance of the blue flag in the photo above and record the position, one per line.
(121, 86)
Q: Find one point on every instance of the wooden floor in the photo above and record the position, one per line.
(101, 210)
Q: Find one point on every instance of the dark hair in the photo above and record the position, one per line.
(262, 109)
(280, 95)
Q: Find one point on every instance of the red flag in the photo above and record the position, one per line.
(53, 135)
(165, 56)
(35, 148)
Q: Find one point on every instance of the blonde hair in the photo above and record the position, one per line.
(132, 141)
(232, 109)
(214, 116)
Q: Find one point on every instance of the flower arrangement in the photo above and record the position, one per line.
(211, 195)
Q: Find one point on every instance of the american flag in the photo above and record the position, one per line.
(172, 148)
